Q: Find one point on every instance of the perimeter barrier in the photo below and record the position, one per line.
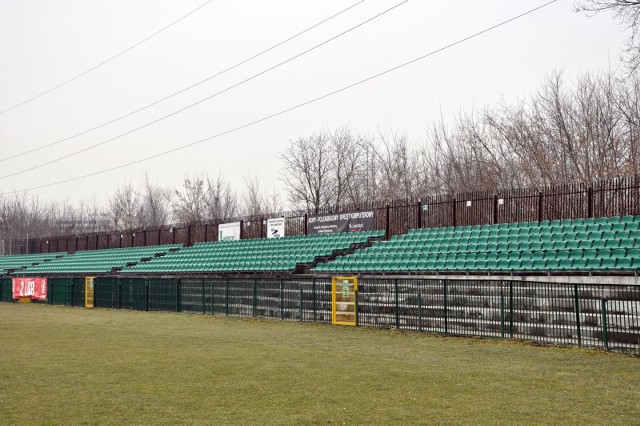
(587, 315)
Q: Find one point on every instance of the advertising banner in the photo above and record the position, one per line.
(35, 288)
(229, 231)
(275, 227)
(341, 222)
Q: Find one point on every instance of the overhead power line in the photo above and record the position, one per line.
(236, 65)
(164, 117)
(285, 111)
(95, 67)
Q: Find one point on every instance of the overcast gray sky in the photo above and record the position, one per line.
(43, 43)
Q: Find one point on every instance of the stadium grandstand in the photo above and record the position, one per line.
(560, 281)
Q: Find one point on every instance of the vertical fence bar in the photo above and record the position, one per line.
(314, 299)
(146, 295)
(397, 304)
(226, 298)
(213, 301)
(281, 300)
(301, 312)
(605, 337)
(446, 316)
(204, 299)
(501, 313)
(540, 206)
(178, 299)
(355, 306)
(254, 298)
(577, 303)
(511, 308)
(419, 312)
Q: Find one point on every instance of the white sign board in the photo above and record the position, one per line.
(229, 231)
(275, 227)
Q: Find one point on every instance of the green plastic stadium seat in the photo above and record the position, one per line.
(624, 263)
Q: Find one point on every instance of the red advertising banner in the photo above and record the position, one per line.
(35, 288)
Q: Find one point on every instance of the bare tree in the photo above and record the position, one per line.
(307, 172)
(627, 13)
(125, 207)
(220, 201)
(190, 203)
(156, 203)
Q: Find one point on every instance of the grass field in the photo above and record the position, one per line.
(72, 365)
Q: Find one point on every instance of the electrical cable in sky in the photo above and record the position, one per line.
(106, 123)
(285, 111)
(83, 73)
(73, 154)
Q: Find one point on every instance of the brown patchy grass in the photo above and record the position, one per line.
(73, 365)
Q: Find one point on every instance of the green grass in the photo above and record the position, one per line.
(73, 365)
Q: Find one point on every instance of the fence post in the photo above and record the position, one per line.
(146, 295)
(355, 307)
(397, 304)
(204, 299)
(305, 223)
(254, 297)
(419, 311)
(241, 229)
(605, 336)
(495, 208)
(454, 212)
(119, 293)
(189, 235)
(226, 297)
(387, 232)
(419, 208)
(446, 314)
(501, 313)
(178, 298)
(540, 206)
(206, 225)
(314, 299)
(575, 292)
(281, 300)
(511, 309)
(301, 310)
(213, 305)
(590, 201)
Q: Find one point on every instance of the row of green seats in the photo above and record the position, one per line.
(591, 264)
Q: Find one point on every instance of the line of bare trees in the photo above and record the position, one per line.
(581, 131)
(200, 198)
(565, 132)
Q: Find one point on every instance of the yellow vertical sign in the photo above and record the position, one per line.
(343, 300)
(88, 292)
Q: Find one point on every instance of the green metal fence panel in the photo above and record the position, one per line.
(107, 292)
(240, 298)
(61, 291)
(6, 291)
(163, 294)
(78, 290)
(267, 299)
(133, 293)
(606, 316)
(195, 296)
